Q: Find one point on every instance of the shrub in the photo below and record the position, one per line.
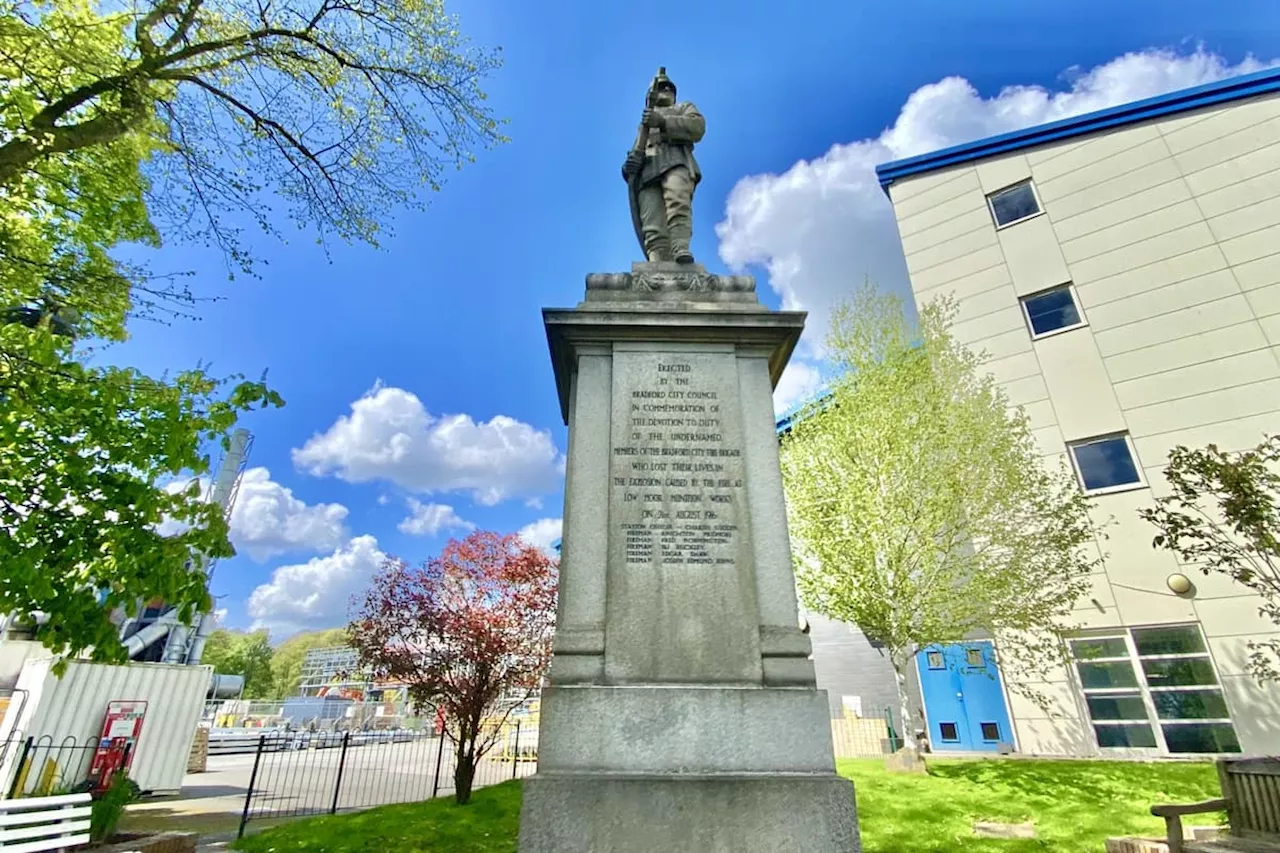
(108, 809)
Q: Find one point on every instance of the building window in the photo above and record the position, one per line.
(1154, 688)
(1106, 463)
(949, 731)
(1014, 204)
(1053, 310)
(936, 660)
(973, 656)
(990, 731)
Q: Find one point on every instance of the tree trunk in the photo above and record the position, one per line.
(464, 773)
(16, 157)
(906, 724)
(20, 156)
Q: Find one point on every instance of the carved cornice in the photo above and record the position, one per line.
(658, 280)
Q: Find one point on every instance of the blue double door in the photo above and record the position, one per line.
(963, 697)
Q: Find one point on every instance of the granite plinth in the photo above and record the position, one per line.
(742, 814)
(701, 731)
(682, 712)
(667, 281)
(676, 562)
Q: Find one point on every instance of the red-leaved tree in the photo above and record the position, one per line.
(468, 633)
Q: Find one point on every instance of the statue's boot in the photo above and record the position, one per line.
(681, 235)
(657, 250)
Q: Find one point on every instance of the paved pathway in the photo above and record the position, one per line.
(302, 782)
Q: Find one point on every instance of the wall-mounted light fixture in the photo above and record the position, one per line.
(1179, 583)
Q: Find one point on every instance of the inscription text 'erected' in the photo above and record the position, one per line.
(677, 468)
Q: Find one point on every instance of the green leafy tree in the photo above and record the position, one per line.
(1223, 517)
(341, 107)
(921, 509)
(286, 664)
(82, 450)
(177, 118)
(248, 655)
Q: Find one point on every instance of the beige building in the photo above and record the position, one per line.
(1122, 271)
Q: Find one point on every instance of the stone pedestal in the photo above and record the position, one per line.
(681, 713)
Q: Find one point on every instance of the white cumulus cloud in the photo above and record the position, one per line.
(267, 520)
(317, 593)
(430, 519)
(800, 382)
(543, 532)
(167, 525)
(389, 435)
(822, 226)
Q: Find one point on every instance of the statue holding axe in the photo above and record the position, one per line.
(661, 173)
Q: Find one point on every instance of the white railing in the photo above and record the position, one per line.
(44, 823)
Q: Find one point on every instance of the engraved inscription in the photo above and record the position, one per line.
(676, 466)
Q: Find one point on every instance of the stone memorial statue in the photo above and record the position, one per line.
(661, 173)
(681, 712)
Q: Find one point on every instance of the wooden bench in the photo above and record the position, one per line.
(44, 823)
(1251, 798)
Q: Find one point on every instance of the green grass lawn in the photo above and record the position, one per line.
(1075, 805)
(488, 823)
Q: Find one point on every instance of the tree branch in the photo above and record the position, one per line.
(265, 121)
(184, 24)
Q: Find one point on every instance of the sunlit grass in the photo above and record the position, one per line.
(1075, 806)
(488, 824)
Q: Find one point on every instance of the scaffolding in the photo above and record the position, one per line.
(183, 642)
(333, 671)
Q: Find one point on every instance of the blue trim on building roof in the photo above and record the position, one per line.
(1207, 95)
(783, 424)
(800, 411)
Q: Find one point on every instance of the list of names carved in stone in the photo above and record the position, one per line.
(677, 467)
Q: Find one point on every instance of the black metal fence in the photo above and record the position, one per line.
(330, 772)
(42, 766)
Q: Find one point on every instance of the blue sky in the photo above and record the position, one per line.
(420, 395)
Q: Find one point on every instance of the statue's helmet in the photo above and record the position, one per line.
(662, 81)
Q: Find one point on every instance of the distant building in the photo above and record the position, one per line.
(1122, 271)
(855, 672)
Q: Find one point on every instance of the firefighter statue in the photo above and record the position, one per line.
(661, 173)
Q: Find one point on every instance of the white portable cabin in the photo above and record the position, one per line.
(72, 708)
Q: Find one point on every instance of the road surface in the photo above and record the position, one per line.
(296, 782)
